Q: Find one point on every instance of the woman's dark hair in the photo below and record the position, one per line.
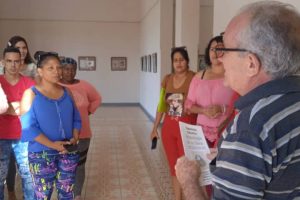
(68, 61)
(41, 57)
(182, 51)
(218, 39)
(12, 43)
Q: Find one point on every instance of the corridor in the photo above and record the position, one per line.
(120, 164)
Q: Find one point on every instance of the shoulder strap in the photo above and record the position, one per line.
(203, 73)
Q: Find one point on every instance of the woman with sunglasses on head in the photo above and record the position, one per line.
(51, 124)
(174, 89)
(87, 100)
(28, 67)
(209, 98)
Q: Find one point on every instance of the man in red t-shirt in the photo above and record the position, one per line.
(14, 85)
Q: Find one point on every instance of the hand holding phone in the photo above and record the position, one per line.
(70, 147)
(154, 143)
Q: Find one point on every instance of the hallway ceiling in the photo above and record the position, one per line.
(77, 10)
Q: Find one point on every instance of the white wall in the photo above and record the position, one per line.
(167, 36)
(187, 28)
(150, 43)
(90, 32)
(222, 18)
(106, 28)
(206, 26)
(156, 36)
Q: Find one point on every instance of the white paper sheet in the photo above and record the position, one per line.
(196, 148)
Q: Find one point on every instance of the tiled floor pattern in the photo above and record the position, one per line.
(120, 164)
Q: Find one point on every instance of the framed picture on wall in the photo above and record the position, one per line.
(146, 63)
(154, 62)
(142, 63)
(87, 63)
(118, 63)
(149, 63)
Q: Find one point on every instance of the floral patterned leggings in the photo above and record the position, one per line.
(51, 169)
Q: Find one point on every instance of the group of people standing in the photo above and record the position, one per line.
(44, 123)
(254, 65)
(194, 98)
(258, 154)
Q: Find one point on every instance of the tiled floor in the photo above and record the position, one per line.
(120, 164)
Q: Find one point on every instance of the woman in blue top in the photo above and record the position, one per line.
(51, 124)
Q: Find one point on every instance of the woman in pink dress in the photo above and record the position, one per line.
(208, 97)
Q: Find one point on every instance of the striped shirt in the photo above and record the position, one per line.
(259, 153)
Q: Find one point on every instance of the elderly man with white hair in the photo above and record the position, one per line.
(259, 153)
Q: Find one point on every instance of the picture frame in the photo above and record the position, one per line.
(142, 63)
(118, 63)
(149, 63)
(154, 62)
(87, 63)
(146, 64)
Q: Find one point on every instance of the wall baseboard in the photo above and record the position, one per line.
(147, 113)
(119, 104)
(129, 104)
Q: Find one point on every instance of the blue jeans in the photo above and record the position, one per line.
(20, 150)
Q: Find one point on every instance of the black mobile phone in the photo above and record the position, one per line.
(154, 143)
(71, 147)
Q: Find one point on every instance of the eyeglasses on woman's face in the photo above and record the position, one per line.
(221, 51)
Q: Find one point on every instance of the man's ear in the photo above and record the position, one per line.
(254, 65)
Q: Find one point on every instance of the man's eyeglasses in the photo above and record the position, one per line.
(220, 51)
